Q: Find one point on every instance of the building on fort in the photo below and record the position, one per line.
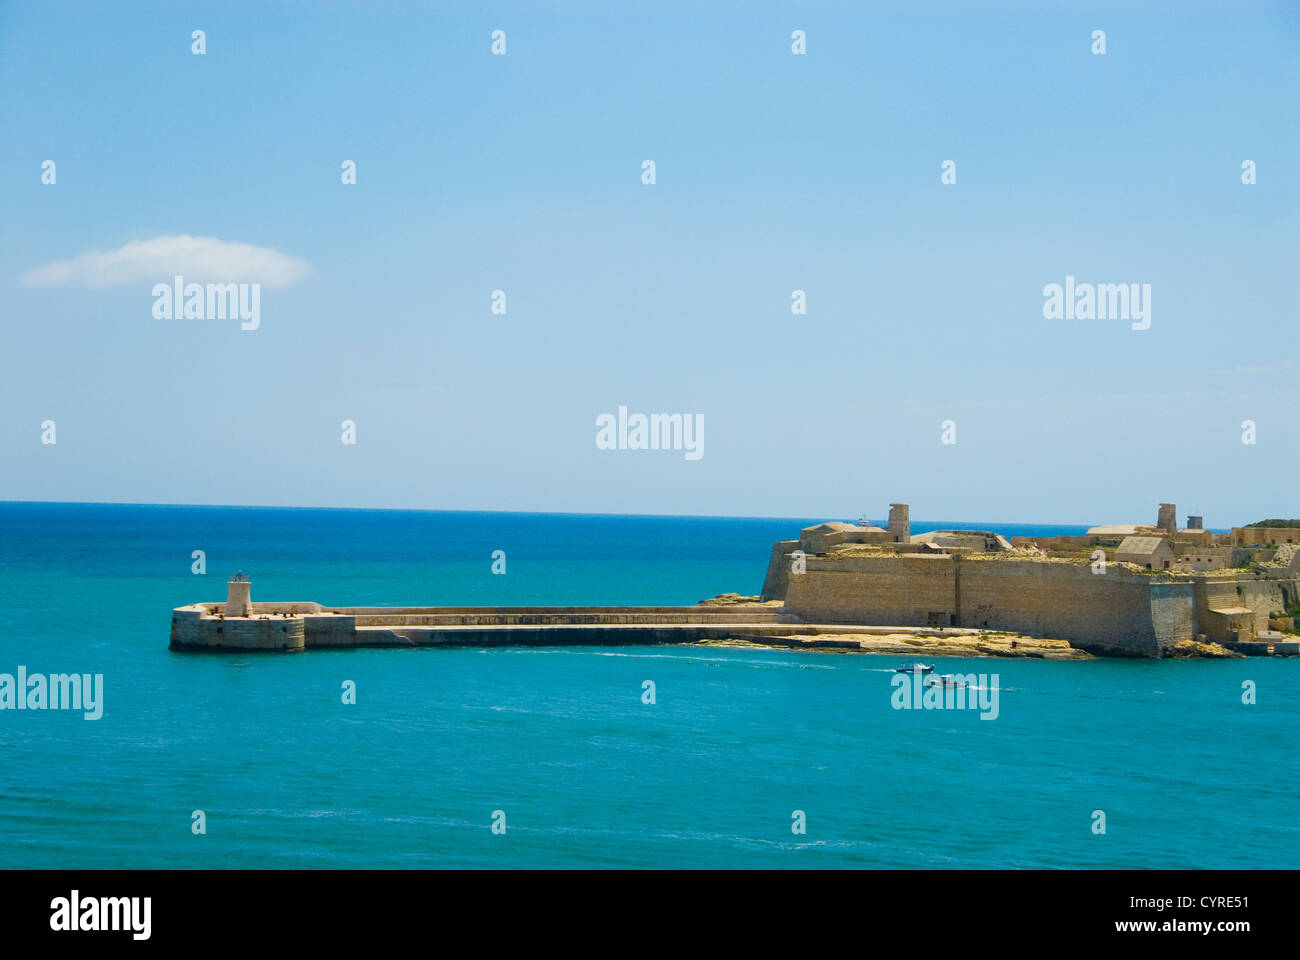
(1257, 536)
(825, 535)
(1153, 553)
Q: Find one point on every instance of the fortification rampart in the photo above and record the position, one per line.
(777, 580)
(1118, 611)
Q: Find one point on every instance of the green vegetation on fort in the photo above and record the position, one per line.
(1274, 523)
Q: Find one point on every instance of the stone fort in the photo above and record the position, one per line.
(1128, 590)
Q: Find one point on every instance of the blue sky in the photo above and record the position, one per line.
(775, 172)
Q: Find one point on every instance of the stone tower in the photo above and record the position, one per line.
(239, 601)
(900, 526)
(1167, 520)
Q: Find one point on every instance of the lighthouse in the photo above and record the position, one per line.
(239, 601)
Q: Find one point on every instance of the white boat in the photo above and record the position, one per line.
(947, 680)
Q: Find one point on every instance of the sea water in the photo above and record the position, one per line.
(741, 748)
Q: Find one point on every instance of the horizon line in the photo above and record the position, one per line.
(541, 513)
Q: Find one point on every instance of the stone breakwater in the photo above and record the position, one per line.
(293, 627)
(289, 627)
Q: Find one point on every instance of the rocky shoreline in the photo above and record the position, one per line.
(937, 642)
(972, 644)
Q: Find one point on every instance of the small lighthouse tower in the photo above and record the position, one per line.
(239, 601)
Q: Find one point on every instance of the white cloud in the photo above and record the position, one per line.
(197, 259)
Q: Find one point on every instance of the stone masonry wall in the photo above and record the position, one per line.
(1119, 611)
(777, 580)
(191, 631)
(1260, 596)
(894, 590)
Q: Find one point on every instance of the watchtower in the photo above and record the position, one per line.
(900, 525)
(1167, 519)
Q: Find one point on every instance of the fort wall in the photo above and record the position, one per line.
(905, 590)
(1228, 606)
(777, 579)
(1118, 611)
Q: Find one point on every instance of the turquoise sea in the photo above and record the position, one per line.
(559, 740)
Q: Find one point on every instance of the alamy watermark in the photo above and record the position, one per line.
(213, 301)
(1100, 301)
(58, 691)
(962, 691)
(75, 913)
(656, 431)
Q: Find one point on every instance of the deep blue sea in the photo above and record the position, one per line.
(585, 774)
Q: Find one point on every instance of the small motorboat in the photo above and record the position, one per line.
(947, 680)
(914, 668)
